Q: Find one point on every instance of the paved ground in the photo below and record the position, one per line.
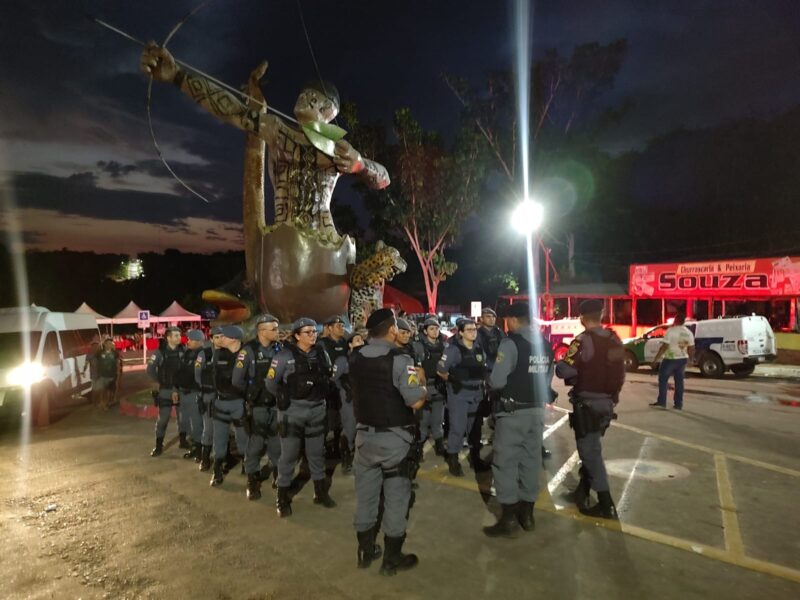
(707, 498)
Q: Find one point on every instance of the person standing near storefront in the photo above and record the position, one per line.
(677, 351)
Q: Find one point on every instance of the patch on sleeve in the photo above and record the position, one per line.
(572, 352)
(239, 364)
(271, 372)
(242, 354)
(412, 376)
(274, 363)
(500, 358)
(198, 362)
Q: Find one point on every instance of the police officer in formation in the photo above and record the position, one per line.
(408, 344)
(228, 407)
(341, 378)
(522, 375)
(262, 412)
(463, 367)
(189, 391)
(204, 376)
(594, 367)
(431, 420)
(335, 343)
(299, 377)
(386, 391)
(163, 367)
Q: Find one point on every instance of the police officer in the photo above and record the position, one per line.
(386, 391)
(463, 367)
(522, 375)
(299, 377)
(335, 343)
(204, 376)
(407, 344)
(228, 406)
(341, 377)
(257, 357)
(189, 391)
(489, 336)
(163, 367)
(432, 414)
(594, 366)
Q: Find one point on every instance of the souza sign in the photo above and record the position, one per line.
(757, 277)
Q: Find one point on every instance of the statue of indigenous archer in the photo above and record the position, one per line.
(299, 265)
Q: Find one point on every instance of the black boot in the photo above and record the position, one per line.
(438, 447)
(230, 462)
(525, 515)
(347, 455)
(393, 558)
(477, 463)
(194, 452)
(582, 496)
(604, 508)
(284, 503)
(546, 453)
(159, 449)
(183, 443)
(368, 550)
(321, 494)
(507, 525)
(454, 465)
(218, 477)
(253, 486)
(205, 458)
(274, 478)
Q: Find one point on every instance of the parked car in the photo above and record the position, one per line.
(44, 352)
(737, 344)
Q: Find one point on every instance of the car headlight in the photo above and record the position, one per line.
(26, 375)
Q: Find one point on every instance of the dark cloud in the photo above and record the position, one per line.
(78, 195)
(115, 169)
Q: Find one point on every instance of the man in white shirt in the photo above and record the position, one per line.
(677, 349)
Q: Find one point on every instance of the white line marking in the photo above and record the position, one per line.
(559, 477)
(549, 431)
(622, 505)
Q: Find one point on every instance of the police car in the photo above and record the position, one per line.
(737, 344)
(560, 333)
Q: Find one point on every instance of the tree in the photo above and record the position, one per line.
(566, 117)
(435, 187)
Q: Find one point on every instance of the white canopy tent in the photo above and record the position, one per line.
(85, 309)
(128, 315)
(175, 313)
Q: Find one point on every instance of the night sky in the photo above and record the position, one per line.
(76, 156)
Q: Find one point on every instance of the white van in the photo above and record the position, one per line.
(737, 344)
(53, 368)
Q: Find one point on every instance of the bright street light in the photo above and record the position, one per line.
(528, 216)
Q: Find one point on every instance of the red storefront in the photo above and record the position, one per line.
(768, 286)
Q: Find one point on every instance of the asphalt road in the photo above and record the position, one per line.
(707, 498)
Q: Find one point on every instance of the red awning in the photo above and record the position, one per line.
(394, 298)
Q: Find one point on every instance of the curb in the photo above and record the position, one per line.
(142, 411)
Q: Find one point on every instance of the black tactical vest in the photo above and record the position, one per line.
(471, 366)
(262, 359)
(224, 362)
(207, 372)
(170, 366)
(107, 364)
(433, 352)
(185, 376)
(489, 341)
(311, 375)
(376, 402)
(334, 349)
(605, 373)
(529, 379)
